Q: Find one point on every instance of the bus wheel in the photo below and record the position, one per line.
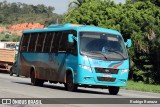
(113, 90)
(40, 82)
(35, 81)
(17, 75)
(70, 86)
(11, 73)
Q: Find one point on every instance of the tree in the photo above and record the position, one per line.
(19, 13)
(77, 2)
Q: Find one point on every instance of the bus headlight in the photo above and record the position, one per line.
(124, 71)
(86, 68)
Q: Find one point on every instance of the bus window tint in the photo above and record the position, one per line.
(64, 42)
(48, 41)
(58, 39)
(25, 40)
(32, 42)
(73, 32)
(55, 44)
(40, 42)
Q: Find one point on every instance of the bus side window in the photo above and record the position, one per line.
(52, 41)
(53, 49)
(74, 33)
(56, 40)
(48, 41)
(32, 42)
(72, 48)
(64, 42)
(39, 45)
(25, 40)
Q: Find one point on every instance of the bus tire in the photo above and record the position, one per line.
(11, 74)
(35, 81)
(17, 75)
(113, 90)
(70, 86)
(40, 82)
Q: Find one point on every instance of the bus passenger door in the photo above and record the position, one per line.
(61, 65)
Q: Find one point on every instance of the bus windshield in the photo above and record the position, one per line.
(102, 45)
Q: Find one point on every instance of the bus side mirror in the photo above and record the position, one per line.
(70, 38)
(128, 43)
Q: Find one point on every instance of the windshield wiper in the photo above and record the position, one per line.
(117, 53)
(99, 53)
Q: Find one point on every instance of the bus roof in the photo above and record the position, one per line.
(69, 26)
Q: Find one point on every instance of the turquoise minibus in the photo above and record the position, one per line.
(76, 56)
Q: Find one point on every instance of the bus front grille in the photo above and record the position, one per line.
(107, 79)
(106, 70)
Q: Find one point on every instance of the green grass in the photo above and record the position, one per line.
(139, 86)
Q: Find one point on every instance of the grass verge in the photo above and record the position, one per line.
(139, 86)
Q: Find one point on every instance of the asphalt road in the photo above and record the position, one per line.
(20, 87)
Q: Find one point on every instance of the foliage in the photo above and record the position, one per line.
(77, 2)
(9, 37)
(138, 20)
(12, 13)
